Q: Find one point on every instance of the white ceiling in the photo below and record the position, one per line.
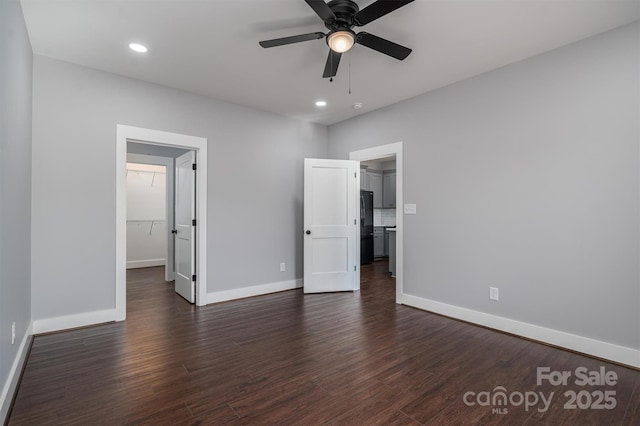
(210, 47)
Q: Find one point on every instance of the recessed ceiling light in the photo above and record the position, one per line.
(137, 47)
(321, 103)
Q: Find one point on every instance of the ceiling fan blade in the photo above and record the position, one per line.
(378, 9)
(321, 9)
(383, 46)
(289, 40)
(331, 67)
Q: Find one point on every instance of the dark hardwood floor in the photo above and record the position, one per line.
(287, 358)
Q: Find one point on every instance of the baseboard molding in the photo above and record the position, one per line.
(11, 384)
(586, 345)
(133, 264)
(66, 322)
(256, 290)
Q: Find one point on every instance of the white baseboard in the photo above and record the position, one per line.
(132, 264)
(256, 290)
(586, 345)
(11, 384)
(73, 321)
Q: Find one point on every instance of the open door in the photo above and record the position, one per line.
(185, 216)
(330, 225)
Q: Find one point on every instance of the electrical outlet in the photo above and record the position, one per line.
(283, 267)
(493, 293)
(13, 333)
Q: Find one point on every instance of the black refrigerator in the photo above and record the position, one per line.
(366, 227)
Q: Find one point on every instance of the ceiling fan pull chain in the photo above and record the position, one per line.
(349, 72)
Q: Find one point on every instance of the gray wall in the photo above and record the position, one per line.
(526, 178)
(15, 182)
(255, 183)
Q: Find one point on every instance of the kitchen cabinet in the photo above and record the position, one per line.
(386, 243)
(389, 189)
(364, 183)
(374, 181)
(392, 251)
(378, 241)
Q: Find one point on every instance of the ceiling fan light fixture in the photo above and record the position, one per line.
(341, 41)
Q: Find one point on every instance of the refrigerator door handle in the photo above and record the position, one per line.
(361, 210)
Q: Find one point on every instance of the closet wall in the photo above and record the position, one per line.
(146, 215)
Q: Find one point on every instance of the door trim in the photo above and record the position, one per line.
(169, 266)
(376, 153)
(137, 134)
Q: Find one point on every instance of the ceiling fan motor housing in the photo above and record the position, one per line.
(344, 10)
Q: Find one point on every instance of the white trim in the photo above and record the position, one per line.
(256, 290)
(155, 137)
(383, 151)
(357, 237)
(134, 264)
(586, 345)
(168, 163)
(67, 322)
(11, 384)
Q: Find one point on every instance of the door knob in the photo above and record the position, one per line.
(308, 232)
(174, 231)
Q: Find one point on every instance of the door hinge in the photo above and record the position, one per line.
(194, 166)
(354, 267)
(193, 222)
(354, 221)
(193, 277)
(355, 175)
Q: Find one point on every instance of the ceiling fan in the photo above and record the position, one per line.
(340, 16)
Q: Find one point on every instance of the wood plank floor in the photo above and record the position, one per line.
(287, 358)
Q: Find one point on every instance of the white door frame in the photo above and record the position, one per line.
(169, 273)
(376, 153)
(156, 137)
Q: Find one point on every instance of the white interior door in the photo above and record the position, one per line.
(330, 225)
(185, 237)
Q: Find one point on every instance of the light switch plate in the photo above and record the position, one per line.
(493, 293)
(410, 209)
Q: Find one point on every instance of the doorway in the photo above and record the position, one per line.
(163, 140)
(381, 157)
(144, 214)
